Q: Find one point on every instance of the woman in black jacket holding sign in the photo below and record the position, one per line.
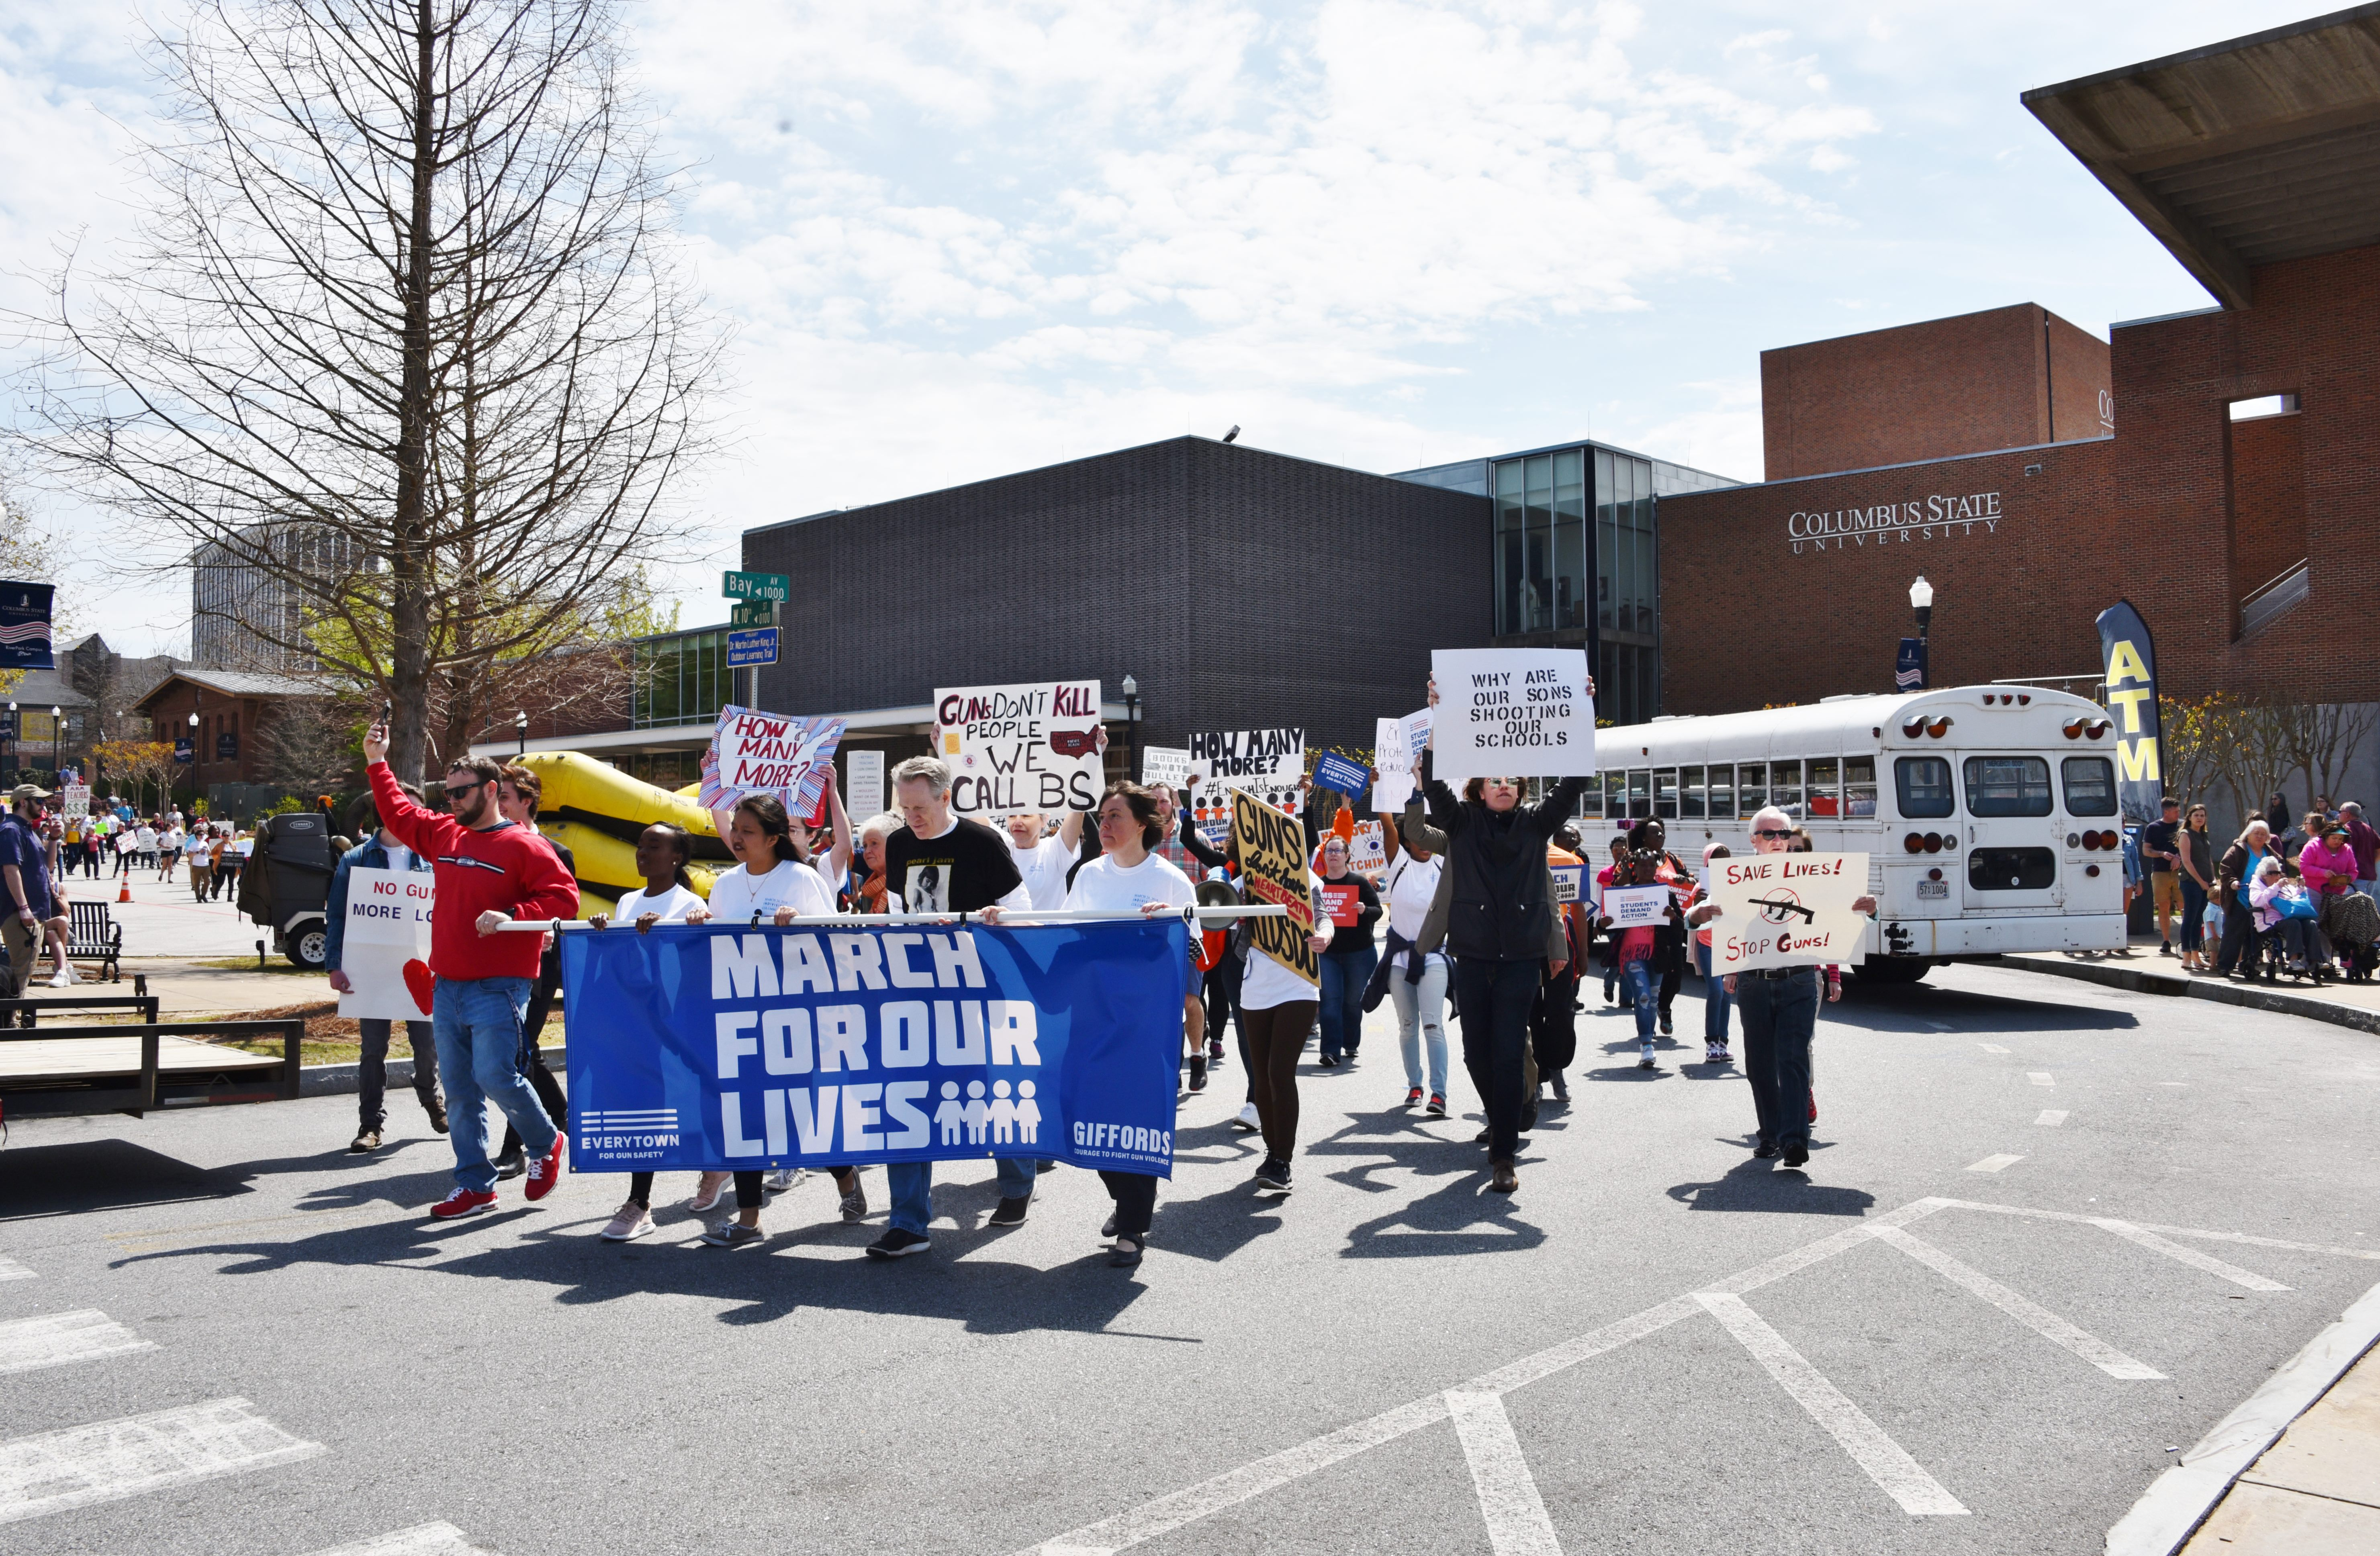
(1499, 918)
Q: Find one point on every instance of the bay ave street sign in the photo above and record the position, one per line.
(756, 586)
(751, 645)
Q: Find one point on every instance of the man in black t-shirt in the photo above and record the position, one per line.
(944, 864)
(2157, 851)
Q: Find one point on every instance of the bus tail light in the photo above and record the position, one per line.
(1913, 728)
(1933, 842)
(2073, 731)
(1939, 728)
(2100, 727)
(1915, 843)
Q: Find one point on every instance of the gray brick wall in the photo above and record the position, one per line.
(1241, 588)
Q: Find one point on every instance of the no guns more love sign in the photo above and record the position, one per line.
(1511, 712)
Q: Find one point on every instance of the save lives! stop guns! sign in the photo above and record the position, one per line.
(1787, 910)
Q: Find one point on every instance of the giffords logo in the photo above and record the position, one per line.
(1942, 516)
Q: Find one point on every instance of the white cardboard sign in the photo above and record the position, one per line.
(1636, 907)
(1263, 764)
(1511, 712)
(1165, 766)
(1032, 746)
(1787, 910)
(866, 784)
(1367, 852)
(385, 946)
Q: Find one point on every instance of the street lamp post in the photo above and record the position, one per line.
(520, 734)
(57, 746)
(12, 742)
(1131, 729)
(194, 759)
(1921, 600)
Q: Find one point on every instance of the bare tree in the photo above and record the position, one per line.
(312, 744)
(2321, 739)
(406, 333)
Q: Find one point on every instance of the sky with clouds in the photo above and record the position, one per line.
(966, 238)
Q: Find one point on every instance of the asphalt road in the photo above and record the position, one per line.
(1657, 1345)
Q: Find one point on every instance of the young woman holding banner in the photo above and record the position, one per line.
(772, 878)
(1126, 877)
(667, 896)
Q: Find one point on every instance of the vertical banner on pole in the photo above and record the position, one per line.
(2129, 658)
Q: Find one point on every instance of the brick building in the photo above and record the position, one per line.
(2236, 500)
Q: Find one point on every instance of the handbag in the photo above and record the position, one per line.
(2296, 905)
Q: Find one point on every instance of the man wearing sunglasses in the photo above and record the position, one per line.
(1779, 1005)
(489, 872)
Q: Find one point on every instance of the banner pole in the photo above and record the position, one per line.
(1022, 917)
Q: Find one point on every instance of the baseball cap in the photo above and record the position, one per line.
(28, 791)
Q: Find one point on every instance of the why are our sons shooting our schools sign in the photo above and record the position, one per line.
(1511, 712)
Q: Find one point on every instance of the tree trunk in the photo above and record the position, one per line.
(408, 597)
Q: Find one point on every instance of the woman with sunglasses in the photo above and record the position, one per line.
(1779, 1007)
(2195, 858)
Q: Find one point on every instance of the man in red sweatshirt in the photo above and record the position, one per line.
(489, 872)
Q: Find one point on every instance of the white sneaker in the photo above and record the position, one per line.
(63, 978)
(632, 1220)
(707, 1192)
(1247, 1119)
(778, 1182)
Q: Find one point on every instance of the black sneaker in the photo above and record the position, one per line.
(1010, 1213)
(1214, 1055)
(1436, 1108)
(1764, 1151)
(1108, 1230)
(1273, 1176)
(1197, 1074)
(1666, 1027)
(2164, 947)
(1329, 1061)
(1797, 1151)
(896, 1243)
(511, 1164)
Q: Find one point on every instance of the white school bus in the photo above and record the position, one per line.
(1988, 814)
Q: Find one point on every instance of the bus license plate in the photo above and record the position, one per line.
(1938, 889)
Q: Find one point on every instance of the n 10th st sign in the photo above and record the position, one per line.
(756, 586)
(753, 646)
(752, 613)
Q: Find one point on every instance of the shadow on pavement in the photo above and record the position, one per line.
(82, 1175)
(1761, 1187)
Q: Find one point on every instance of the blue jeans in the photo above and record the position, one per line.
(1420, 1008)
(2193, 914)
(1643, 991)
(483, 1058)
(912, 1184)
(1779, 1016)
(1717, 1001)
(1344, 974)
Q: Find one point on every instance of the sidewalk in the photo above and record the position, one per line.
(2316, 1492)
(2144, 971)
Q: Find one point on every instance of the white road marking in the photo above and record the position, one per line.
(425, 1539)
(1517, 1525)
(2169, 1231)
(2042, 1322)
(1937, 1026)
(1994, 1164)
(12, 1271)
(1902, 1479)
(2173, 1082)
(1991, 1048)
(2039, 1078)
(56, 1339)
(2051, 1117)
(80, 1466)
(2191, 1256)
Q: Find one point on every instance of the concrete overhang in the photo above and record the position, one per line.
(2242, 153)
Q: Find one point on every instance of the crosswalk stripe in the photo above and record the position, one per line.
(424, 1539)
(1517, 1525)
(1886, 1462)
(1995, 1163)
(2191, 1256)
(2042, 1322)
(12, 1271)
(2041, 1078)
(2248, 1240)
(2051, 1117)
(56, 1339)
(78, 1466)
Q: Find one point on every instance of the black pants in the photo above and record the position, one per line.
(1275, 1039)
(541, 1076)
(1221, 989)
(1494, 1004)
(747, 1191)
(1553, 1024)
(2239, 936)
(1135, 1202)
(1779, 1016)
(1670, 982)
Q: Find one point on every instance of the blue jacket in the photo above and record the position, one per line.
(369, 854)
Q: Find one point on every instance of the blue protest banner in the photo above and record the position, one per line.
(25, 626)
(719, 1046)
(1337, 774)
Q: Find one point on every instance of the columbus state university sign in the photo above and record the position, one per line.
(1941, 516)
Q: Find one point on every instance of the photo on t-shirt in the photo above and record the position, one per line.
(927, 889)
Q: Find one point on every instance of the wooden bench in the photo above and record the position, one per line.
(94, 936)
(25, 1012)
(66, 1071)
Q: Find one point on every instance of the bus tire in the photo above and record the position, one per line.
(1887, 971)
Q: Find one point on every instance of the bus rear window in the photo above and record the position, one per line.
(2008, 786)
(1785, 787)
(1722, 793)
(1825, 796)
(1925, 786)
(2089, 785)
(1751, 787)
(1690, 794)
(1615, 796)
(1859, 787)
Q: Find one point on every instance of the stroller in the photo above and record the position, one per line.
(2352, 922)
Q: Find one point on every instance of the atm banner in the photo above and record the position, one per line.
(711, 1046)
(2129, 664)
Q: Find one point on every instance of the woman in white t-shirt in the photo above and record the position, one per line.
(773, 879)
(667, 896)
(1127, 878)
(1409, 885)
(1277, 1010)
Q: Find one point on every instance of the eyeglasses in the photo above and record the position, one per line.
(456, 791)
(1772, 833)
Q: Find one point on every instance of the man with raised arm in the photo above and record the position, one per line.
(489, 873)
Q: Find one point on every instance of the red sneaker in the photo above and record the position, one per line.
(546, 1171)
(464, 1201)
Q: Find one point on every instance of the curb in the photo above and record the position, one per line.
(332, 1080)
(2178, 1501)
(2220, 991)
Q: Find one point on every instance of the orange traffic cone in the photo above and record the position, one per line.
(124, 894)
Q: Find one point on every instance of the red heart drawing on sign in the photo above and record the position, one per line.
(420, 983)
